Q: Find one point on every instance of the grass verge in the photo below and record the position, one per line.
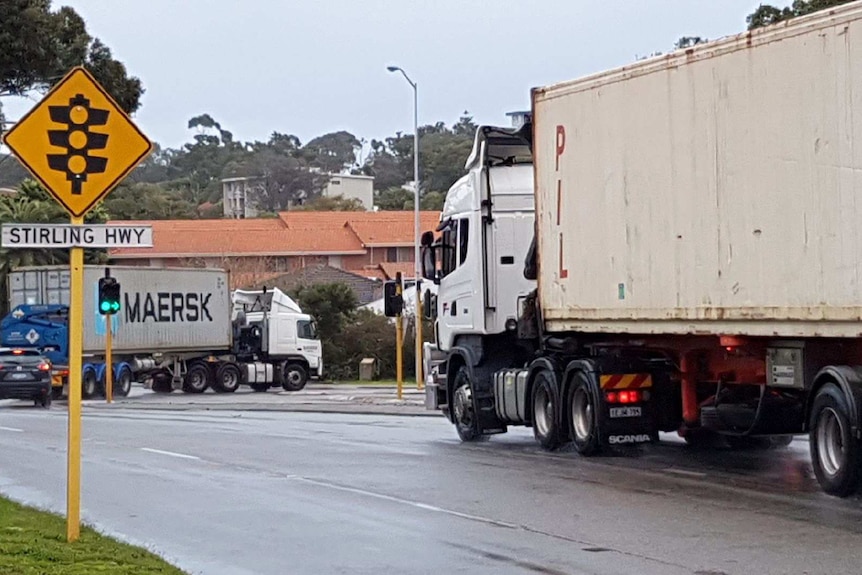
(34, 543)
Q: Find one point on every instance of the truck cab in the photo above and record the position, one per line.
(272, 328)
(477, 261)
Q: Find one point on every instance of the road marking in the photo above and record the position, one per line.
(170, 453)
(15, 429)
(401, 501)
(685, 472)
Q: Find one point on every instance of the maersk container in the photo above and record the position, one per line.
(715, 190)
(163, 309)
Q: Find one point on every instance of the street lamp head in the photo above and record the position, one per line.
(393, 68)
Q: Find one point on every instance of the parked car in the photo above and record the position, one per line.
(25, 374)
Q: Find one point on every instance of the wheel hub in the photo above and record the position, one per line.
(582, 414)
(830, 442)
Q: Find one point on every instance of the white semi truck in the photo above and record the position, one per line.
(694, 262)
(178, 328)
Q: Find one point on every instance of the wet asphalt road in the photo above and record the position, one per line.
(283, 493)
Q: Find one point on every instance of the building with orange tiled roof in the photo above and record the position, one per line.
(359, 242)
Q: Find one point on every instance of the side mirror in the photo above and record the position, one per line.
(429, 263)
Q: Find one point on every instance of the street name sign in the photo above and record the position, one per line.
(69, 236)
(78, 142)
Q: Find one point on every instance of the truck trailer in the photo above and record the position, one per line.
(178, 328)
(694, 255)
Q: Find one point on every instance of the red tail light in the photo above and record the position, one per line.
(44, 367)
(626, 396)
(17, 351)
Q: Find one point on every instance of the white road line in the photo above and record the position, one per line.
(15, 429)
(401, 501)
(685, 472)
(170, 453)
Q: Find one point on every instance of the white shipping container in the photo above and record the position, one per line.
(163, 309)
(716, 190)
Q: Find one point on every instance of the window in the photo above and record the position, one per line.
(448, 248)
(306, 329)
(391, 254)
(463, 239)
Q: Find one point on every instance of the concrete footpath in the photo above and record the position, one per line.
(317, 397)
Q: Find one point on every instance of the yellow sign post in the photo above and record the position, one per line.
(109, 361)
(79, 144)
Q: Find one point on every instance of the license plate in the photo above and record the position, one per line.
(20, 376)
(625, 412)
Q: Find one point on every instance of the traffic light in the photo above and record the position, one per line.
(393, 303)
(109, 296)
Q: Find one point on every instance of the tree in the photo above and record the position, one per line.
(333, 204)
(766, 14)
(142, 201)
(688, 42)
(394, 199)
(333, 152)
(38, 46)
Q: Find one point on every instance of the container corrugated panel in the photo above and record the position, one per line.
(163, 309)
(716, 190)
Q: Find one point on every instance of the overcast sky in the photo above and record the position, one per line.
(317, 66)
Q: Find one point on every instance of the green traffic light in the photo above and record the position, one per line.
(106, 306)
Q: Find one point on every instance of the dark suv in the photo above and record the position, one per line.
(25, 374)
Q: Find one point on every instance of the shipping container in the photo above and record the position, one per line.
(163, 309)
(712, 191)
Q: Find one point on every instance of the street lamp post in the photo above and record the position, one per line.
(416, 232)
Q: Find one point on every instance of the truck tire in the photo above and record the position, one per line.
(89, 384)
(463, 408)
(294, 376)
(546, 425)
(227, 378)
(197, 378)
(123, 385)
(583, 416)
(834, 451)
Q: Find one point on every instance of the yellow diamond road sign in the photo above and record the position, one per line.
(78, 142)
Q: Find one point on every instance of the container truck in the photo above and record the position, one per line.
(694, 255)
(177, 329)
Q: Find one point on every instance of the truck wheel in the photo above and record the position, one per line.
(293, 377)
(583, 416)
(123, 385)
(463, 410)
(546, 428)
(196, 379)
(45, 401)
(89, 384)
(227, 378)
(834, 451)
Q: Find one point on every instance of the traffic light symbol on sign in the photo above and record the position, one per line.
(109, 296)
(78, 141)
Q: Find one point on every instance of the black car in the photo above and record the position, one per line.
(25, 374)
